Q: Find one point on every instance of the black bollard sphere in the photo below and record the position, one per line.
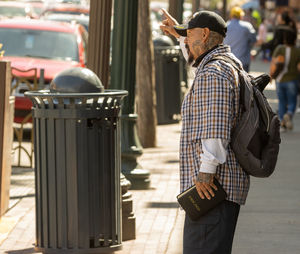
(76, 80)
(162, 40)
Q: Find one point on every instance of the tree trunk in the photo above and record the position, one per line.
(176, 9)
(98, 49)
(145, 79)
(195, 5)
(224, 14)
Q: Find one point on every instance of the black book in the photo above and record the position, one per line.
(194, 206)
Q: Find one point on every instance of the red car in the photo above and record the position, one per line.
(11, 9)
(41, 44)
(74, 9)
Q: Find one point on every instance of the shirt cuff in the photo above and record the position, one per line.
(179, 38)
(214, 152)
(208, 168)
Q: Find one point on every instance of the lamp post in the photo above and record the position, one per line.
(123, 77)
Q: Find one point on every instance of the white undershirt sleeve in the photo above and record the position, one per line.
(214, 153)
(182, 46)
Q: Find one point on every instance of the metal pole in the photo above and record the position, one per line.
(123, 77)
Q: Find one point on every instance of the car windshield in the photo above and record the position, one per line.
(39, 44)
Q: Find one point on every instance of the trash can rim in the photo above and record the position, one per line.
(47, 93)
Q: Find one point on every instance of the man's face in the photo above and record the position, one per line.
(194, 42)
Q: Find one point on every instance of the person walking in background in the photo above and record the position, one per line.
(209, 111)
(261, 39)
(252, 17)
(287, 79)
(240, 36)
(283, 22)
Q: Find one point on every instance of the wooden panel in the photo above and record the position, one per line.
(6, 134)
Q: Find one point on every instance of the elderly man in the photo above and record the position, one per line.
(241, 36)
(209, 111)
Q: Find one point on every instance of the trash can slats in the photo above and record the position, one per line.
(60, 156)
(72, 187)
(78, 193)
(44, 183)
(52, 184)
(83, 184)
(38, 209)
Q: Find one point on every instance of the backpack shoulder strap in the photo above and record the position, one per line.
(225, 59)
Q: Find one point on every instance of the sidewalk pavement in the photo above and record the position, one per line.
(268, 223)
(157, 215)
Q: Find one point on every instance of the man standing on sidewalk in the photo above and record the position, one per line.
(209, 111)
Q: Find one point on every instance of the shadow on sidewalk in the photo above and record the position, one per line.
(24, 251)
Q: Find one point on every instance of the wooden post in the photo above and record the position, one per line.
(224, 9)
(176, 9)
(195, 5)
(145, 79)
(99, 39)
(6, 134)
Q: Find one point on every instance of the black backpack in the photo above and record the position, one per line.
(255, 138)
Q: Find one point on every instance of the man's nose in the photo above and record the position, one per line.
(185, 40)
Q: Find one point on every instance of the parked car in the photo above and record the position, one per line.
(38, 6)
(81, 19)
(66, 9)
(11, 9)
(53, 46)
(41, 44)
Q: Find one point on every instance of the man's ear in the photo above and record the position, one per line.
(206, 32)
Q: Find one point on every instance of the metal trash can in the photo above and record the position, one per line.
(171, 78)
(77, 165)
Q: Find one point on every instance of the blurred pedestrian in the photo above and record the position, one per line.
(261, 39)
(240, 36)
(283, 22)
(286, 77)
(249, 17)
(209, 111)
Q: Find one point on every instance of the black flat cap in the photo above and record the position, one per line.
(202, 19)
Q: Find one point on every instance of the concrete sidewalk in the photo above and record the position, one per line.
(268, 223)
(158, 218)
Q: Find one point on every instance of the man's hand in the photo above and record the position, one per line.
(168, 23)
(205, 185)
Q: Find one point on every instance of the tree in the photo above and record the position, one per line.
(195, 5)
(145, 79)
(176, 9)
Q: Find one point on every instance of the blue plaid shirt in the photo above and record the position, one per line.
(209, 111)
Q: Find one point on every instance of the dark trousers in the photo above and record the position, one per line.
(213, 233)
